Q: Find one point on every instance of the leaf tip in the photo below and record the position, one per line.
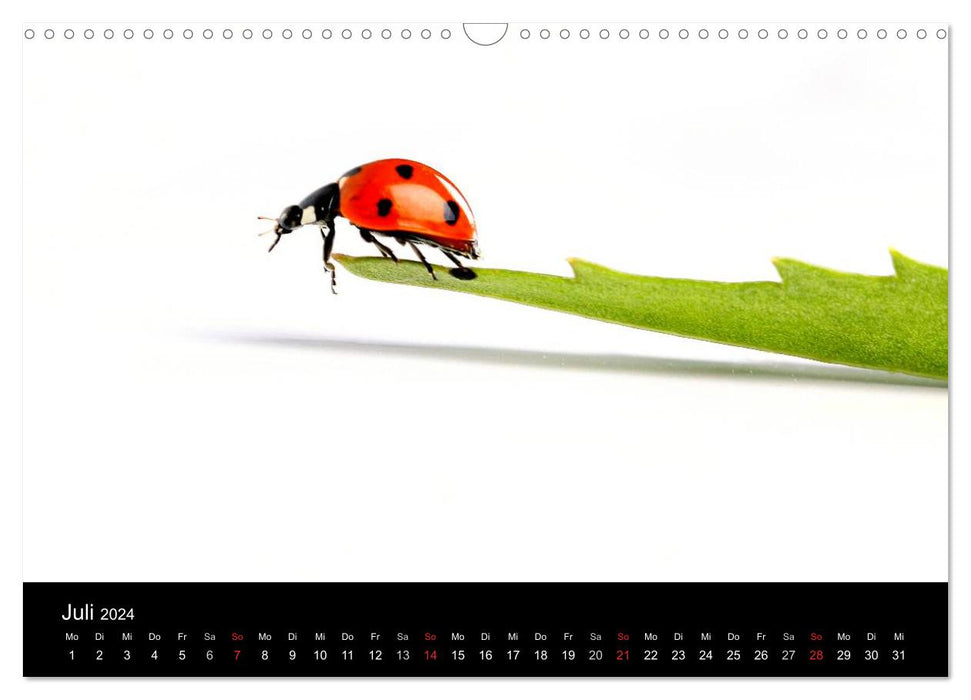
(583, 268)
(784, 266)
(907, 268)
(901, 263)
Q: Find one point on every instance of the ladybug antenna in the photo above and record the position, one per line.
(275, 229)
(270, 230)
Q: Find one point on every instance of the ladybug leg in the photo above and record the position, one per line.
(461, 272)
(458, 263)
(328, 247)
(385, 250)
(421, 257)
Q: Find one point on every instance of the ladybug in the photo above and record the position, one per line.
(405, 200)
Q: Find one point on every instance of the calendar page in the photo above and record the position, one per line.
(582, 349)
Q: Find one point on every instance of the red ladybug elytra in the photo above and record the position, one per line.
(400, 199)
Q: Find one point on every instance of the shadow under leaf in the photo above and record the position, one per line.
(767, 370)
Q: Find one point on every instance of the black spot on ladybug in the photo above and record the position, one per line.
(384, 207)
(352, 171)
(451, 212)
(462, 273)
(406, 171)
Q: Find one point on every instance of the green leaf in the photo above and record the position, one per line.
(896, 322)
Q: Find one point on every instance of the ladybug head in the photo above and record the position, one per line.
(289, 219)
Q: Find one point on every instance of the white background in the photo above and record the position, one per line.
(273, 431)
(675, 688)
